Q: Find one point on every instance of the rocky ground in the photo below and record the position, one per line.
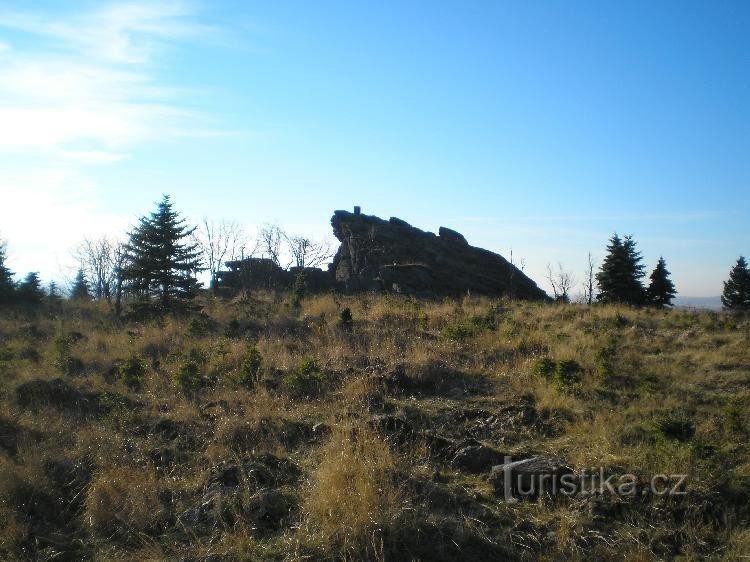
(259, 430)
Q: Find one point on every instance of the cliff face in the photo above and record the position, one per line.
(394, 256)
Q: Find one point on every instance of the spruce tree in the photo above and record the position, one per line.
(736, 295)
(80, 290)
(7, 286)
(160, 261)
(30, 289)
(661, 290)
(619, 277)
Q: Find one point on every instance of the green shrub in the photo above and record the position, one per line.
(250, 367)
(298, 289)
(201, 325)
(307, 380)
(458, 331)
(676, 425)
(568, 375)
(189, 376)
(734, 421)
(345, 321)
(485, 322)
(30, 353)
(132, 371)
(6, 354)
(605, 359)
(544, 367)
(63, 359)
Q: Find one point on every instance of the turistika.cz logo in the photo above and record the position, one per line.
(527, 479)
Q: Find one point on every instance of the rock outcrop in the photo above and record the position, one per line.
(393, 256)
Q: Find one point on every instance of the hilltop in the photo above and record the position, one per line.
(367, 428)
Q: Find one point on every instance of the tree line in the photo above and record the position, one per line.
(159, 263)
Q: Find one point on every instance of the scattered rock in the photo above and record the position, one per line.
(440, 446)
(529, 477)
(476, 458)
(391, 425)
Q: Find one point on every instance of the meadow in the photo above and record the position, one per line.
(366, 427)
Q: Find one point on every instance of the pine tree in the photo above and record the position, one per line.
(619, 277)
(7, 286)
(80, 290)
(661, 290)
(30, 289)
(160, 261)
(736, 295)
(53, 292)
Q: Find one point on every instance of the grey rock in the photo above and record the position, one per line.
(393, 256)
(476, 458)
(529, 477)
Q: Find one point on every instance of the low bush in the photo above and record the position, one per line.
(132, 371)
(568, 375)
(677, 426)
(250, 368)
(63, 359)
(189, 376)
(307, 380)
(345, 321)
(544, 367)
(605, 358)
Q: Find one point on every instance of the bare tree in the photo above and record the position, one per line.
(307, 253)
(118, 258)
(588, 285)
(270, 239)
(99, 259)
(561, 281)
(219, 241)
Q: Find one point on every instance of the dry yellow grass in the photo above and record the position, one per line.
(349, 434)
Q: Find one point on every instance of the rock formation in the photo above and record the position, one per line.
(392, 255)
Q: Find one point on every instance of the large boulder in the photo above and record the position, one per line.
(393, 256)
(531, 478)
(476, 458)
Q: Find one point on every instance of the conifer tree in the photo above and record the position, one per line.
(160, 261)
(661, 290)
(619, 277)
(53, 293)
(80, 290)
(30, 289)
(7, 286)
(736, 295)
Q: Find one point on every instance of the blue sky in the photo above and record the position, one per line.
(541, 127)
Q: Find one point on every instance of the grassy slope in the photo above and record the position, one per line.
(292, 461)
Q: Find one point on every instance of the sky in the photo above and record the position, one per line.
(539, 128)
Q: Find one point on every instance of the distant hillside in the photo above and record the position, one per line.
(707, 303)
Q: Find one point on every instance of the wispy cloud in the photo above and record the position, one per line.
(89, 88)
(688, 216)
(77, 89)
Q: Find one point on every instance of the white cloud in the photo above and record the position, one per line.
(90, 84)
(82, 89)
(45, 213)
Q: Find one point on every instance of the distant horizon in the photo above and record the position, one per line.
(532, 129)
